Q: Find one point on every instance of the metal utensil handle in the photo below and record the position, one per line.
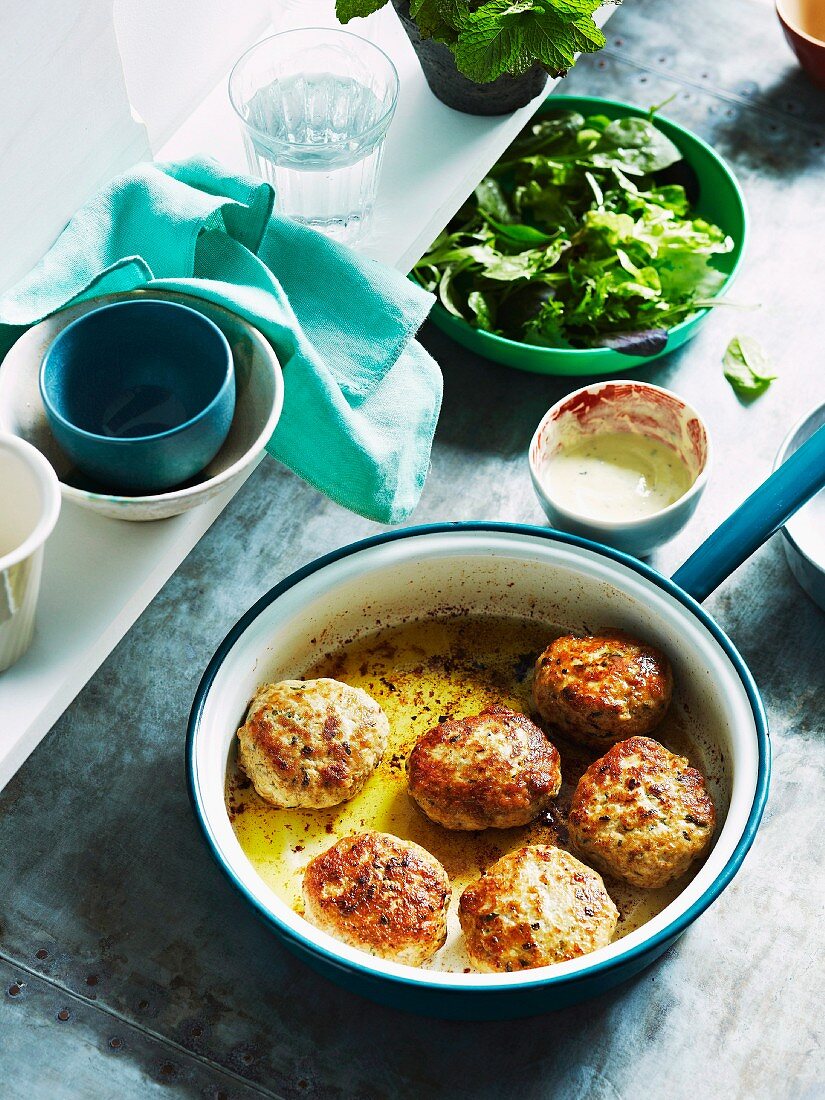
(764, 512)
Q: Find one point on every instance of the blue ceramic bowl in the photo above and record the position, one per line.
(140, 395)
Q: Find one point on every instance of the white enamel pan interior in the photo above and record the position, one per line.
(488, 569)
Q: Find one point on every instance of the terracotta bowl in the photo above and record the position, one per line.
(810, 51)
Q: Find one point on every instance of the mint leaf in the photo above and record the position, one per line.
(746, 367)
(552, 41)
(433, 18)
(509, 36)
(559, 30)
(588, 36)
(490, 42)
(574, 8)
(356, 9)
(428, 13)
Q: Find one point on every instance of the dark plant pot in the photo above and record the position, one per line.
(499, 97)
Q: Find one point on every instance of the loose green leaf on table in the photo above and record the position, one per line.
(747, 366)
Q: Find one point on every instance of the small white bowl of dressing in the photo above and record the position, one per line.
(620, 462)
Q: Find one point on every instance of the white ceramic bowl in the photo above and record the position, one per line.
(804, 534)
(258, 404)
(622, 406)
(490, 569)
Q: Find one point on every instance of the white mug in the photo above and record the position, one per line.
(29, 507)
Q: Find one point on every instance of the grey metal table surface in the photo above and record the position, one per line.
(131, 969)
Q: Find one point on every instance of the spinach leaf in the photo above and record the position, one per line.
(519, 234)
(747, 367)
(491, 200)
(642, 145)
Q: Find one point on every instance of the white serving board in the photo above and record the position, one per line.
(100, 574)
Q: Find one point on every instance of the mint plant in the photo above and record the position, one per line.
(489, 38)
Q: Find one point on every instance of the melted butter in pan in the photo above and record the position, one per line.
(421, 674)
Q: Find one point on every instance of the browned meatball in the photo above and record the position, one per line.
(642, 813)
(600, 689)
(535, 906)
(311, 742)
(384, 895)
(494, 770)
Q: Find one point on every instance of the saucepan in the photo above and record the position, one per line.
(507, 569)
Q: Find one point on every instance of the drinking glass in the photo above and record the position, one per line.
(315, 106)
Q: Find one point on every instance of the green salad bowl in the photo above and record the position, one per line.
(720, 200)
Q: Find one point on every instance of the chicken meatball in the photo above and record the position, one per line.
(381, 894)
(495, 770)
(311, 742)
(602, 688)
(641, 813)
(535, 906)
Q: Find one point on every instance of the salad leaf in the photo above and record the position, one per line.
(640, 144)
(580, 237)
(519, 234)
(747, 367)
(482, 307)
(652, 341)
(491, 200)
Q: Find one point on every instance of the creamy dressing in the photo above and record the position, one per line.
(616, 476)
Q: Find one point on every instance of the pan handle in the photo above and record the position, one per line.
(765, 511)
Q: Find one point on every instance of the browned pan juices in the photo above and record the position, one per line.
(421, 673)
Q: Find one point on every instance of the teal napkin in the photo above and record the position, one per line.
(361, 396)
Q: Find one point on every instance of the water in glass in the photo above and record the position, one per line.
(314, 127)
